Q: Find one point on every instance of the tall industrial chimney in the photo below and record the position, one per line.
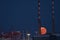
(39, 18)
(53, 20)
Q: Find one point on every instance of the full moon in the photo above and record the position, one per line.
(43, 30)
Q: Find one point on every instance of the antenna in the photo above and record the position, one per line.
(53, 20)
(39, 18)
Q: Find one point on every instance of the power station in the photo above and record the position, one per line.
(42, 31)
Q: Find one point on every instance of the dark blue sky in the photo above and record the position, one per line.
(22, 14)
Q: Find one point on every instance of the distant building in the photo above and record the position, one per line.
(42, 37)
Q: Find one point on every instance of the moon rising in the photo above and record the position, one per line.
(43, 30)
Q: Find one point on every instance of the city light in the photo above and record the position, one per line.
(28, 34)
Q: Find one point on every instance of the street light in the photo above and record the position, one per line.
(28, 36)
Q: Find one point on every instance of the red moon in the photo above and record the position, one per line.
(43, 30)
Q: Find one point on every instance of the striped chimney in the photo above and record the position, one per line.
(39, 18)
(53, 20)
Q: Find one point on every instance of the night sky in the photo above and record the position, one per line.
(22, 15)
